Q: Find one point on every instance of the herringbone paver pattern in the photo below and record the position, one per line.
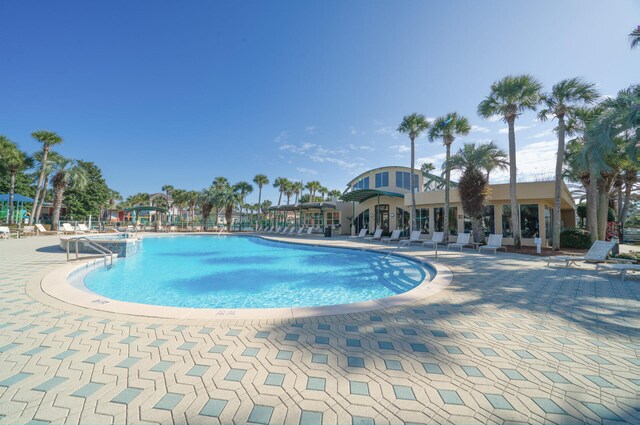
(509, 341)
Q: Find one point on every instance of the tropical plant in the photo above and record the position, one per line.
(634, 37)
(66, 173)
(280, 183)
(228, 197)
(13, 160)
(335, 193)
(168, 190)
(323, 191)
(87, 200)
(313, 187)
(288, 190)
(413, 125)
(260, 180)
(509, 98)
(207, 200)
(48, 139)
(53, 158)
(448, 128)
(561, 103)
(191, 197)
(297, 190)
(243, 188)
(474, 161)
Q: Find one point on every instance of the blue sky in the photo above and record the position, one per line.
(179, 93)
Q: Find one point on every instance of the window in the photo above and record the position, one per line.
(438, 219)
(403, 221)
(382, 179)
(362, 184)
(402, 180)
(333, 218)
(422, 219)
(313, 219)
(529, 223)
(506, 221)
(382, 217)
(362, 221)
(488, 221)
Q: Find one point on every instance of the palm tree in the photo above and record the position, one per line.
(335, 193)
(243, 188)
(280, 183)
(260, 180)
(496, 159)
(168, 190)
(48, 139)
(312, 186)
(509, 98)
(563, 100)
(634, 37)
(323, 190)
(427, 167)
(413, 125)
(207, 200)
(14, 161)
(473, 186)
(288, 190)
(53, 158)
(228, 197)
(65, 174)
(192, 200)
(297, 189)
(448, 128)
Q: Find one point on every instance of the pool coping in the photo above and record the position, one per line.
(56, 284)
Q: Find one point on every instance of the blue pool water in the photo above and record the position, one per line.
(249, 272)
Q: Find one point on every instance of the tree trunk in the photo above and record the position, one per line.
(38, 211)
(12, 186)
(592, 209)
(557, 211)
(477, 229)
(603, 209)
(413, 190)
(259, 203)
(619, 201)
(515, 216)
(628, 187)
(45, 152)
(447, 179)
(228, 215)
(57, 206)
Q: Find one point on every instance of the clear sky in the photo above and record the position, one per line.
(159, 92)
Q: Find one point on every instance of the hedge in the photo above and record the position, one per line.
(575, 238)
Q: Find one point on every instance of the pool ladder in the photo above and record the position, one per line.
(94, 246)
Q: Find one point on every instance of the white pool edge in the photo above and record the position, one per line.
(57, 285)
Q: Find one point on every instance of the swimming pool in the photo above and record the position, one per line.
(249, 272)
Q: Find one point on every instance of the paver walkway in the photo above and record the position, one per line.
(509, 341)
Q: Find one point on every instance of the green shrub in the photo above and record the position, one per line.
(633, 255)
(575, 238)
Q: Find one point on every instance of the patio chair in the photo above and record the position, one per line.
(461, 241)
(42, 231)
(415, 237)
(5, 233)
(597, 254)
(67, 228)
(622, 268)
(493, 244)
(438, 237)
(377, 235)
(361, 235)
(395, 237)
(309, 232)
(28, 231)
(84, 228)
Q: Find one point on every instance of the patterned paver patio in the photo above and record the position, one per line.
(509, 341)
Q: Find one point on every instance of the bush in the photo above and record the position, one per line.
(633, 255)
(575, 238)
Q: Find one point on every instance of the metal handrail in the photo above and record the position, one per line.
(98, 248)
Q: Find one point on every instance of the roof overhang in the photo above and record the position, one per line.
(362, 195)
(304, 206)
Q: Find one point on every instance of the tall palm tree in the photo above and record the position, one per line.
(313, 186)
(335, 193)
(634, 37)
(448, 128)
(413, 125)
(168, 189)
(563, 100)
(228, 197)
(297, 190)
(48, 139)
(496, 159)
(14, 161)
(509, 98)
(48, 165)
(192, 200)
(243, 188)
(288, 190)
(323, 191)
(207, 200)
(473, 186)
(427, 167)
(66, 173)
(260, 180)
(280, 183)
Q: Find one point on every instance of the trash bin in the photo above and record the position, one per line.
(327, 232)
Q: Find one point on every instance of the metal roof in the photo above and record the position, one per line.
(16, 198)
(362, 195)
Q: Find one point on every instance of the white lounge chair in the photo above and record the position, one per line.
(414, 238)
(307, 233)
(494, 243)
(300, 230)
(5, 233)
(28, 230)
(377, 235)
(361, 235)
(461, 242)
(438, 237)
(84, 228)
(597, 254)
(67, 228)
(42, 231)
(622, 268)
(395, 237)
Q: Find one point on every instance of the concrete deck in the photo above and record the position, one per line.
(509, 340)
